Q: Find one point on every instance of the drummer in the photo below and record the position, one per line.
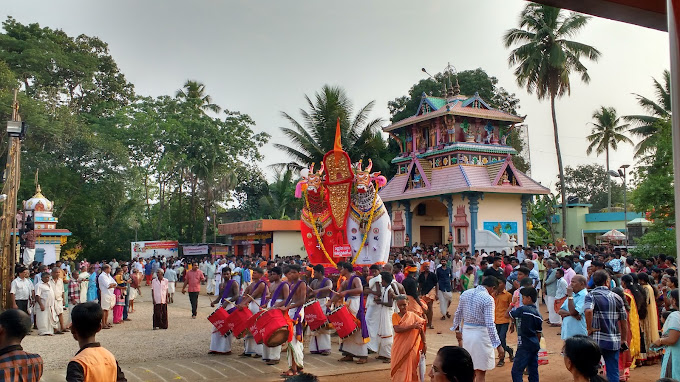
(294, 305)
(278, 290)
(320, 288)
(254, 296)
(228, 292)
(352, 291)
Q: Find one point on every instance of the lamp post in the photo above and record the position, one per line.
(621, 173)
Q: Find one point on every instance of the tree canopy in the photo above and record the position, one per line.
(588, 182)
(116, 164)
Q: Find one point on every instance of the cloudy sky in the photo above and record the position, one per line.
(261, 57)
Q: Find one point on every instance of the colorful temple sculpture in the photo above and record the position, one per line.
(42, 239)
(456, 183)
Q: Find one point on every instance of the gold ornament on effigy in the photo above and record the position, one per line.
(339, 178)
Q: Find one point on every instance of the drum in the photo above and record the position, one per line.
(252, 327)
(273, 327)
(219, 319)
(314, 315)
(343, 321)
(237, 321)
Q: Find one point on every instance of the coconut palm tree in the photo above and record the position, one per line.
(607, 133)
(545, 58)
(280, 202)
(315, 135)
(646, 126)
(195, 91)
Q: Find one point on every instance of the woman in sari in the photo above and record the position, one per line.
(670, 366)
(120, 298)
(414, 303)
(650, 323)
(92, 285)
(409, 343)
(635, 299)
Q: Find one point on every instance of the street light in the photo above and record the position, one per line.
(621, 173)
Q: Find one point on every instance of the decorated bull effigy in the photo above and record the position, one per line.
(343, 217)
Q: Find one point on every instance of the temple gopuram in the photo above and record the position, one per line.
(455, 182)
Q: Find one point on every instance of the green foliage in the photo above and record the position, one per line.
(116, 165)
(315, 135)
(658, 239)
(654, 193)
(589, 183)
(646, 126)
(540, 213)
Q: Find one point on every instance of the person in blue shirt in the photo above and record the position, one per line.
(572, 310)
(148, 272)
(528, 336)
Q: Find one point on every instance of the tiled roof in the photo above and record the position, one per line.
(493, 169)
(459, 178)
(437, 102)
(456, 108)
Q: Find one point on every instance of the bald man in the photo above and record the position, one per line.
(572, 311)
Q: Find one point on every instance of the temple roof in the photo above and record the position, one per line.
(457, 105)
(462, 178)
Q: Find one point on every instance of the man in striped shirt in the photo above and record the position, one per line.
(478, 333)
(15, 364)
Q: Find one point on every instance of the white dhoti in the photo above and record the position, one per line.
(220, 343)
(444, 301)
(477, 342)
(171, 287)
(272, 354)
(29, 256)
(553, 316)
(385, 334)
(296, 346)
(210, 288)
(59, 307)
(250, 346)
(84, 284)
(373, 316)
(46, 320)
(321, 338)
(133, 294)
(108, 301)
(354, 345)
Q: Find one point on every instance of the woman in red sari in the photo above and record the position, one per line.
(409, 343)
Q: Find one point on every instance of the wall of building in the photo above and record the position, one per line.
(288, 243)
(580, 219)
(436, 214)
(501, 208)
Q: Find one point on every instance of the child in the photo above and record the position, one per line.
(528, 336)
(92, 362)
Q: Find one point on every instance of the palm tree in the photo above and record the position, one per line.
(545, 58)
(315, 136)
(646, 126)
(195, 91)
(608, 132)
(281, 203)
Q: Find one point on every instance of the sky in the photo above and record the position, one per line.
(262, 57)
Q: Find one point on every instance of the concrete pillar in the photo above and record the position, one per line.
(473, 203)
(673, 13)
(525, 202)
(408, 220)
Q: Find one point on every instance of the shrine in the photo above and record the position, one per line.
(456, 182)
(43, 243)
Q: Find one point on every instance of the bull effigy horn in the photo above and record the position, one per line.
(359, 166)
(311, 168)
(321, 169)
(370, 165)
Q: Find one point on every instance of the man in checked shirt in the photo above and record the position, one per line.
(478, 336)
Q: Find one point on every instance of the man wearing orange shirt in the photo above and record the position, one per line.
(503, 299)
(192, 279)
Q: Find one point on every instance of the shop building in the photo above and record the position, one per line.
(265, 236)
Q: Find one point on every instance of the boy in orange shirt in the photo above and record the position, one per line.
(92, 362)
(503, 299)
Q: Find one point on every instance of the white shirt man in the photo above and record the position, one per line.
(22, 291)
(108, 298)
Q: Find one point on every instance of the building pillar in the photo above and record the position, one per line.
(473, 203)
(449, 205)
(408, 220)
(525, 202)
(413, 138)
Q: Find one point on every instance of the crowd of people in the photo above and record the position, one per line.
(608, 305)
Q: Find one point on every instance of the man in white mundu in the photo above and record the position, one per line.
(254, 296)
(385, 330)
(320, 289)
(352, 292)
(279, 293)
(45, 316)
(228, 293)
(372, 291)
(294, 306)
